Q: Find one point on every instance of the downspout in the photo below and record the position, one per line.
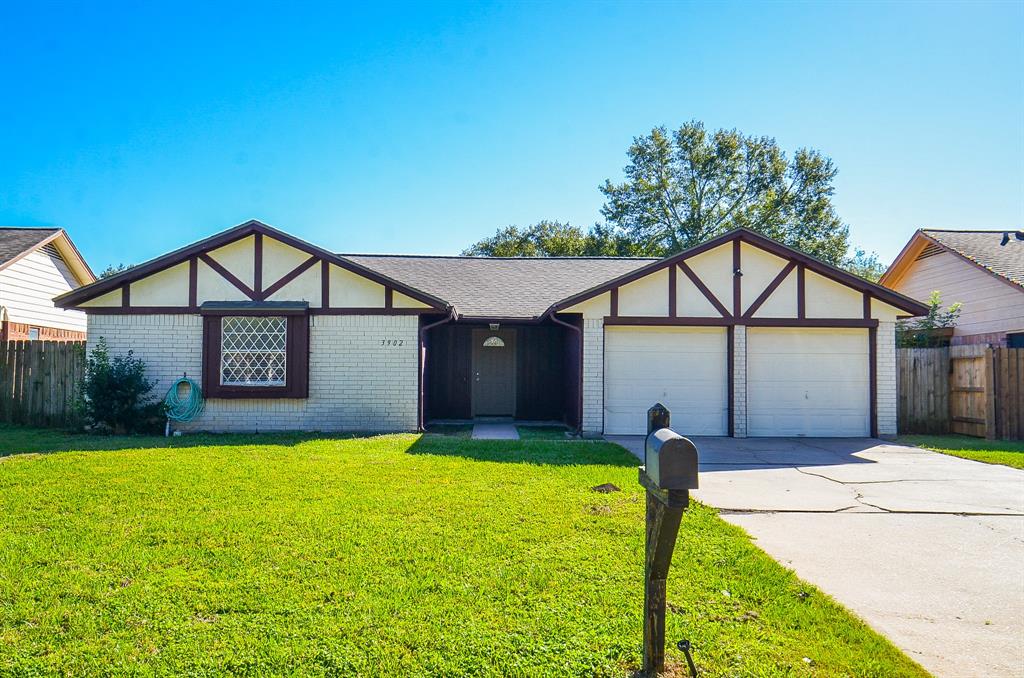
(579, 404)
(421, 354)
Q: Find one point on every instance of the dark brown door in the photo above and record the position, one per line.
(494, 373)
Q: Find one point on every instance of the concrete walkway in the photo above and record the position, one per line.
(495, 431)
(927, 548)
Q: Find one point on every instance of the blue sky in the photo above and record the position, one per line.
(414, 128)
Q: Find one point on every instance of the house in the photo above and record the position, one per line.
(37, 264)
(740, 336)
(984, 270)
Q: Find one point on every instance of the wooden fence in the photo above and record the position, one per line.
(39, 381)
(974, 390)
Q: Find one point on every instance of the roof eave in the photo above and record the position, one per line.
(230, 235)
(889, 296)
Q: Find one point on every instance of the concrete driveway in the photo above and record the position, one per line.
(927, 548)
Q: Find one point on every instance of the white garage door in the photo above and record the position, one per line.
(807, 382)
(684, 368)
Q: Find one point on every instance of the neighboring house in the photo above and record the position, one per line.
(739, 336)
(984, 270)
(36, 265)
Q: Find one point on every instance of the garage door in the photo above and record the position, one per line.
(807, 382)
(684, 368)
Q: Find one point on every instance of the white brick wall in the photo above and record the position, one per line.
(355, 382)
(593, 375)
(886, 356)
(739, 381)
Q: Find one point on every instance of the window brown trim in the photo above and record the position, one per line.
(296, 357)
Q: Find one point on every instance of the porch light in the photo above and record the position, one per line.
(494, 327)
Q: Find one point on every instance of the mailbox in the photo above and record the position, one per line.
(671, 460)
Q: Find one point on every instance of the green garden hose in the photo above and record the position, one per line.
(187, 408)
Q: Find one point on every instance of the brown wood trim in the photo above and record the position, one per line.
(389, 297)
(772, 286)
(737, 280)
(731, 351)
(325, 283)
(126, 296)
(867, 306)
(257, 265)
(750, 322)
(141, 310)
(228, 275)
(193, 282)
(614, 296)
(672, 303)
(896, 299)
(801, 293)
(719, 306)
(239, 232)
(288, 277)
(663, 320)
(371, 311)
(873, 371)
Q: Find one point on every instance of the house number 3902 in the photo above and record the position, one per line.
(392, 342)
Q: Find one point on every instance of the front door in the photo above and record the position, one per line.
(494, 373)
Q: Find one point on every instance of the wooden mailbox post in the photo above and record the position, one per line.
(669, 473)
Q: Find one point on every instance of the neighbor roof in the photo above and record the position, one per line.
(15, 242)
(500, 287)
(1000, 253)
(986, 249)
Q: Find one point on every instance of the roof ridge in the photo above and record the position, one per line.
(968, 230)
(459, 256)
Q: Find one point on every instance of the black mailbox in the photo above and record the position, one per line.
(671, 460)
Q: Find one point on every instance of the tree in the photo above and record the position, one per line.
(549, 239)
(865, 265)
(685, 187)
(924, 331)
(114, 270)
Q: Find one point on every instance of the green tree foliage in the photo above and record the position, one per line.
(865, 265)
(922, 332)
(550, 239)
(114, 270)
(684, 187)
(116, 395)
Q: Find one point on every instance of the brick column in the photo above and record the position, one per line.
(593, 375)
(886, 356)
(739, 381)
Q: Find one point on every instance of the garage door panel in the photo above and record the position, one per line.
(808, 382)
(684, 368)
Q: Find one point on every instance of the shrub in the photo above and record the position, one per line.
(926, 331)
(116, 396)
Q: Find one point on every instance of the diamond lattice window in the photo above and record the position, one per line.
(253, 351)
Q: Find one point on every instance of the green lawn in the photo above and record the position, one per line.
(542, 432)
(1007, 452)
(394, 555)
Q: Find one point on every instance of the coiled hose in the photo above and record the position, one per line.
(187, 408)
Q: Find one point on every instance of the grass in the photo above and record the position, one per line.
(395, 555)
(541, 432)
(1006, 452)
(454, 430)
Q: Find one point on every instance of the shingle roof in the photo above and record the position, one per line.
(986, 249)
(16, 241)
(485, 287)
